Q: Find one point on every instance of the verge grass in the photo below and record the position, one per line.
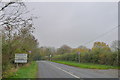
(86, 65)
(27, 71)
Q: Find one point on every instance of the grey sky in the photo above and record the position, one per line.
(74, 24)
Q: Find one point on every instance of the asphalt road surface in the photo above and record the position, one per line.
(49, 69)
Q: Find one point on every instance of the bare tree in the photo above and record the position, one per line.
(115, 45)
(17, 27)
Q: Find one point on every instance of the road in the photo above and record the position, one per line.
(49, 69)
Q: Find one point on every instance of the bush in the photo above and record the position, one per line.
(97, 57)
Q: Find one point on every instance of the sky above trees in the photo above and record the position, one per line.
(74, 24)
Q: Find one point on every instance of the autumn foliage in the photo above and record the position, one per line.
(100, 53)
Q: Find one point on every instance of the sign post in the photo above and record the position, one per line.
(78, 56)
(50, 57)
(20, 58)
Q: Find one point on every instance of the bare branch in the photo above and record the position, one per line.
(7, 5)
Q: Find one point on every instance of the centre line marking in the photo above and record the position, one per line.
(63, 70)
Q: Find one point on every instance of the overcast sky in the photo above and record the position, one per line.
(74, 24)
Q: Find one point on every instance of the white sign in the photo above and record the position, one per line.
(21, 58)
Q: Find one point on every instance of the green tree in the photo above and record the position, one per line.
(64, 49)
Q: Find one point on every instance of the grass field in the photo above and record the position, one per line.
(28, 71)
(86, 65)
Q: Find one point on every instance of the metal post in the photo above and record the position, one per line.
(17, 65)
(50, 57)
(79, 58)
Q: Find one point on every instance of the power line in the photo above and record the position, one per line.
(101, 35)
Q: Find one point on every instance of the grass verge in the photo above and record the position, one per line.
(86, 65)
(28, 71)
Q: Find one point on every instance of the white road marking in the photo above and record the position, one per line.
(64, 70)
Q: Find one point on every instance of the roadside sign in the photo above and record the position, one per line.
(30, 51)
(78, 52)
(20, 58)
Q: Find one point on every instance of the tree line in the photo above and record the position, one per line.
(17, 35)
(100, 53)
